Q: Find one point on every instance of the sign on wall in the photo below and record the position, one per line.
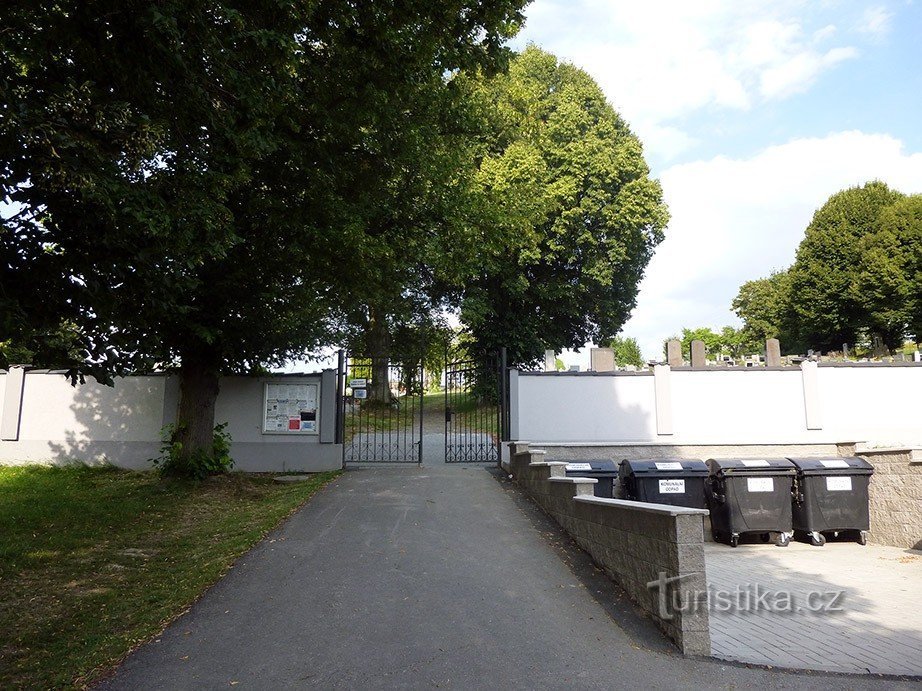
(291, 408)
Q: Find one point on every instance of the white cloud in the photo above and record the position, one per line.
(796, 74)
(662, 60)
(734, 220)
(875, 22)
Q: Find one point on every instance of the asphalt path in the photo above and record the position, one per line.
(432, 577)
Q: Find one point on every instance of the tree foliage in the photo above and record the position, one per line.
(574, 214)
(833, 269)
(855, 278)
(188, 177)
(627, 351)
(764, 306)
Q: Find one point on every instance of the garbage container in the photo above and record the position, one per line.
(831, 496)
(748, 496)
(603, 470)
(675, 481)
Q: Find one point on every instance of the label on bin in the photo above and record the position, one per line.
(756, 464)
(579, 466)
(839, 484)
(672, 486)
(760, 484)
(672, 465)
(834, 464)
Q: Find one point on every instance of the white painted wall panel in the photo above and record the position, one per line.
(586, 408)
(876, 404)
(52, 409)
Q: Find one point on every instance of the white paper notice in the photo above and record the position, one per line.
(579, 466)
(669, 466)
(760, 484)
(834, 464)
(672, 486)
(839, 484)
(756, 464)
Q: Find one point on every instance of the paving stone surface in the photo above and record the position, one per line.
(850, 608)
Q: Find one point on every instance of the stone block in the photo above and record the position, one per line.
(690, 557)
(687, 529)
(694, 642)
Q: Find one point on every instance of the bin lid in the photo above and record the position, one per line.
(751, 466)
(667, 467)
(600, 465)
(833, 465)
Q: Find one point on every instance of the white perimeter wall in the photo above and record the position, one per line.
(824, 404)
(122, 424)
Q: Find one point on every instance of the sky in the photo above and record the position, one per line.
(752, 113)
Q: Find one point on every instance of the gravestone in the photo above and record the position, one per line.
(602, 360)
(772, 352)
(698, 354)
(674, 353)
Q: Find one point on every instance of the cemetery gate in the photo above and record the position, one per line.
(381, 409)
(475, 397)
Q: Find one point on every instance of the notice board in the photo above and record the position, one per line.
(291, 408)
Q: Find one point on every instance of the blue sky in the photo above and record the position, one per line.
(751, 113)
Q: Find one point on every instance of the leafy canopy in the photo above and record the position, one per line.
(570, 216)
(627, 351)
(189, 176)
(856, 277)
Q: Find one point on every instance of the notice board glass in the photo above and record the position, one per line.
(291, 408)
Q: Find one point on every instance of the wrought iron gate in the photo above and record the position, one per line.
(474, 420)
(381, 414)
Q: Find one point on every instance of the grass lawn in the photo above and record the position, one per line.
(96, 561)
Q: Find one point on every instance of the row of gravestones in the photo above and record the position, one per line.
(699, 354)
(603, 359)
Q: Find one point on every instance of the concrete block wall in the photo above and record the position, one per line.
(896, 496)
(633, 542)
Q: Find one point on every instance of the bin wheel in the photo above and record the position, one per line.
(783, 540)
(862, 537)
(734, 540)
(765, 537)
(817, 539)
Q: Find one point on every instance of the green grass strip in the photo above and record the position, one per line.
(94, 561)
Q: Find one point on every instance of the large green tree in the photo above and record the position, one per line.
(190, 181)
(842, 282)
(856, 279)
(764, 306)
(904, 220)
(574, 213)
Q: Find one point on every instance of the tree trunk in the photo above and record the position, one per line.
(378, 342)
(198, 392)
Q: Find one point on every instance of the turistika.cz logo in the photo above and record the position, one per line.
(672, 599)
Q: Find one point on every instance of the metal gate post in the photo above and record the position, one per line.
(504, 397)
(422, 395)
(340, 400)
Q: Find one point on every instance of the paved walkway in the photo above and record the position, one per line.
(873, 594)
(425, 577)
